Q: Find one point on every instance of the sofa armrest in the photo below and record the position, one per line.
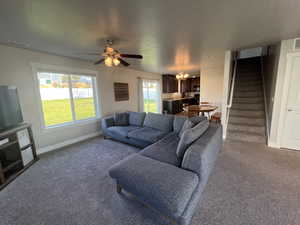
(107, 122)
(164, 187)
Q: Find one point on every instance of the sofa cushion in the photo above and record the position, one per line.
(147, 134)
(187, 125)
(122, 130)
(189, 136)
(164, 150)
(159, 121)
(121, 119)
(178, 123)
(165, 187)
(136, 118)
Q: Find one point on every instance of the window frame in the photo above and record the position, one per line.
(38, 68)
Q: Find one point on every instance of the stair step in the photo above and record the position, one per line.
(247, 106)
(247, 120)
(249, 73)
(249, 100)
(247, 113)
(246, 128)
(248, 70)
(248, 77)
(249, 88)
(248, 94)
(248, 83)
(246, 137)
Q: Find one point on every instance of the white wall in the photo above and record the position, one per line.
(211, 84)
(276, 126)
(226, 88)
(122, 75)
(15, 69)
(270, 70)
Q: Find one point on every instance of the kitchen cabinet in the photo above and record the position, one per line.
(186, 85)
(170, 83)
(195, 84)
(190, 85)
(174, 106)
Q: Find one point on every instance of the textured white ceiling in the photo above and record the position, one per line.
(172, 35)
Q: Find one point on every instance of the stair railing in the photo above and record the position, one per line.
(229, 103)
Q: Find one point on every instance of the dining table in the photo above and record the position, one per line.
(200, 109)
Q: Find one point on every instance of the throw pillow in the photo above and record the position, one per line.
(189, 136)
(121, 119)
(187, 125)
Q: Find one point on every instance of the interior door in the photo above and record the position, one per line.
(291, 132)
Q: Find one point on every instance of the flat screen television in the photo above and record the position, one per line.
(10, 109)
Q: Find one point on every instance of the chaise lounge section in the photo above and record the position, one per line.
(171, 171)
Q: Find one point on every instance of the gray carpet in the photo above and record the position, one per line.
(250, 185)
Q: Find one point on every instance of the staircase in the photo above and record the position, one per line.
(247, 115)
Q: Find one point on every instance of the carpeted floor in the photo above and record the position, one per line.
(251, 185)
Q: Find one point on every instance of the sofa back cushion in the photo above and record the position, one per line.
(121, 119)
(189, 136)
(178, 123)
(197, 119)
(186, 126)
(159, 121)
(136, 118)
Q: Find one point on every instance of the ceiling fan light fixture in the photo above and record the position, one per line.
(116, 61)
(108, 61)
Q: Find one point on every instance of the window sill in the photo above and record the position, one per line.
(68, 125)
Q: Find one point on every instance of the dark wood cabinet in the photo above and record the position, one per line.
(195, 84)
(186, 85)
(190, 85)
(170, 83)
(172, 107)
(176, 106)
(17, 152)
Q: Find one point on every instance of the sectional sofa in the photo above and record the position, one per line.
(176, 158)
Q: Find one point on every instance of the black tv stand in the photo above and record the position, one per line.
(17, 152)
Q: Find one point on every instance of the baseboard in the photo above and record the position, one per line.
(66, 143)
(273, 145)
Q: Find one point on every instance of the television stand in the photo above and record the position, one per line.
(17, 152)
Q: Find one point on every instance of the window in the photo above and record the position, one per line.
(151, 96)
(66, 98)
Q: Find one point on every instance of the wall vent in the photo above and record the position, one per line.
(297, 44)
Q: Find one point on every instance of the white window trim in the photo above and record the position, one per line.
(38, 67)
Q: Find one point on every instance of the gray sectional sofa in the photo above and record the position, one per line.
(170, 172)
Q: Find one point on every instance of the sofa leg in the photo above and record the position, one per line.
(119, 188)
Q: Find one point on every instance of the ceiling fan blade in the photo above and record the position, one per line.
(124, 63)
(98, 62)
(131, 56)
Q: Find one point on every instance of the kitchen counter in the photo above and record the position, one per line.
(176, 99)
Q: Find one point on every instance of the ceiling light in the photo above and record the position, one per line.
(116, 61)
(108, 61)
(186, 76)
(182, 76)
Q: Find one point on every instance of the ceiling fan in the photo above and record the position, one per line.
(112, 57)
